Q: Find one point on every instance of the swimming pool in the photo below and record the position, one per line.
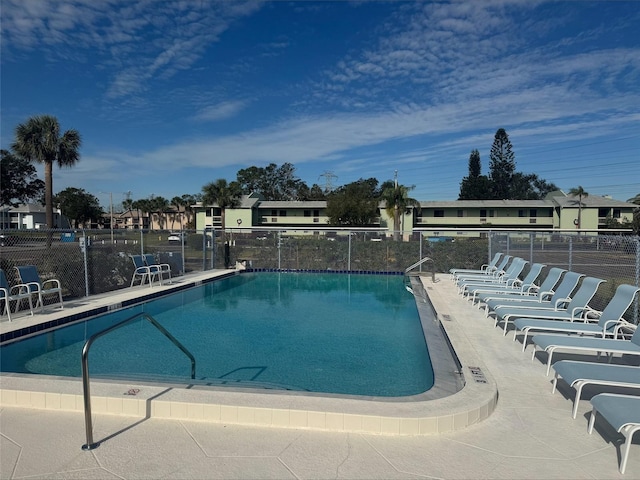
(325, 333)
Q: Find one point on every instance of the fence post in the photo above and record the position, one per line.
(508, 242)
(636, 306)
(86, 263)
(570, 253)
(420, 255)
(349, 253)
(532, 237)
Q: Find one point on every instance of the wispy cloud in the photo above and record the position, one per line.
(135, 41)
(221, 111)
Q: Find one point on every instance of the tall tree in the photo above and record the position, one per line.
(580, 193)
(78, 206)
(224, 195)
(272, 183)
(396, 199)
(39, 140)
(188, 201)
(354, 204)
(160, 205)
(474, 186)
(18, 180)
(502, 166)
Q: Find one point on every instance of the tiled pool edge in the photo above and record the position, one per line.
(474, 403)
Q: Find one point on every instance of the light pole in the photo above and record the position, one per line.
(110, 214)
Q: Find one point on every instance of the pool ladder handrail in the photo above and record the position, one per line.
(420, 262)
(90, 445)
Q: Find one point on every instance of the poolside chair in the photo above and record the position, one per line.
(534, 294)
(485, 267)
(623, 414)
(578, 344)
(142, 271)
(29, 276)
(561, 296)
(15, 293)
(580, 374)
(494, 272)
(161, 269)
(570, 311)
(608, 318)
(510, 275)
(517, 286)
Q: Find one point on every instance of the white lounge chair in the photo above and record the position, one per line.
(485, 267)
(557, 302)
(608, 319)
(29, 276)
(518, 286)
(161, 269)
(533, 295)
(15, 293)
(510, 276)
(579, 344)
(580, 374)
(573, 310)
(488, 273)
(623, 413)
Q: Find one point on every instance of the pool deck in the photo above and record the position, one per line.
(505, 423)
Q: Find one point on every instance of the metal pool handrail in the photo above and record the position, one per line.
(90, 445)
(420, 262)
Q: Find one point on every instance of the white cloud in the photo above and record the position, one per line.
(221, 111)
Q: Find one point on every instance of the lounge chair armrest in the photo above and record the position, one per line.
(32, 286)
(560, 301)
(579, 313)
(51, 283)
(20, 289)
(624, 329)
(546, 295)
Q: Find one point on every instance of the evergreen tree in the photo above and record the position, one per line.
(502, 166)
(474, 186)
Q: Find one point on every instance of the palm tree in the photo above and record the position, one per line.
(580, 193)
(178, 204)
(225, 195)
(160, 206)
(39, 140)
(396, 199)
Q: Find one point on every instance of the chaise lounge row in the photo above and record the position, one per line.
(555, 318)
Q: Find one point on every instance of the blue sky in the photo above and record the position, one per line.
(170, 95)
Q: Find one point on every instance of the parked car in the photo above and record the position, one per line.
(176, 236)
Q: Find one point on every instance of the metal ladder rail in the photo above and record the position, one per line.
(90, 445)
(420, 262)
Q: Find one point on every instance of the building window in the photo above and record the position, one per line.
(438, 213)
(533, 212)
(603, 212)
(274, 213)
(617, 213)
(460, 213)
(521, 213)
(483, 213)
(307, 213)
(283, 213)
(316, 213)
(491, 213)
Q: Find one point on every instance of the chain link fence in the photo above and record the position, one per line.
(90, 262)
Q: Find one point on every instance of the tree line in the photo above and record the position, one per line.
(503, 181)
(40, 140)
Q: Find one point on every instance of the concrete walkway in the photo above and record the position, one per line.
(529, 435)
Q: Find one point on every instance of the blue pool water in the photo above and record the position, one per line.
(327, 333)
